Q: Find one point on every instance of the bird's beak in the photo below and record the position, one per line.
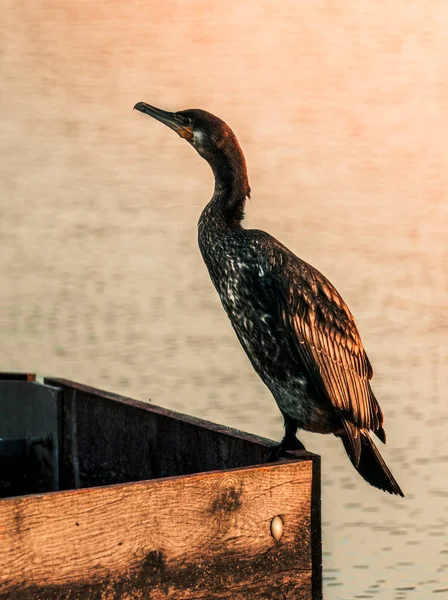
(173, 121)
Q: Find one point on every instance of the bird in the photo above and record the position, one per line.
(297, 331)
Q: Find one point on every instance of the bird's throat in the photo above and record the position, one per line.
(231, 188)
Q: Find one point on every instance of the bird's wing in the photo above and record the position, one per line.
(325, 336)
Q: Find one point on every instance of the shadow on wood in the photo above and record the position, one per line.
(158, 505)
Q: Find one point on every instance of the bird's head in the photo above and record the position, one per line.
(208, 134)
(217, 144)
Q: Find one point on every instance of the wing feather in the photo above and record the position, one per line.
(326, 338)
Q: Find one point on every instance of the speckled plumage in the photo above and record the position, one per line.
(295, 328)
(279, 307)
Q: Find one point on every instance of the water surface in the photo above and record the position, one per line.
(342, 111)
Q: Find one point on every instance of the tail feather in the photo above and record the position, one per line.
(352, 441)
(380, 434)
(371, 465)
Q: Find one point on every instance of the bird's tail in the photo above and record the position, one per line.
(369, 463)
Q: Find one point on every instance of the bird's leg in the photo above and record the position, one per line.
(289, 442)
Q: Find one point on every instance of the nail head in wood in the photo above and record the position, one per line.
(276, 528)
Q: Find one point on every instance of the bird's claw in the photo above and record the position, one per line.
(277, 452)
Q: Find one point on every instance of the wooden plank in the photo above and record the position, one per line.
(316, 529)
(198, 536)
(18, 376)
(119, 440)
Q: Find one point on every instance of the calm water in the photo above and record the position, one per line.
(342, 111)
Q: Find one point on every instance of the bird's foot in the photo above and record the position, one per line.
(277, 452)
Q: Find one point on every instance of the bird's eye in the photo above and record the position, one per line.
(185, 121)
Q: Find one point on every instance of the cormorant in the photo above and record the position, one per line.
(297, 331)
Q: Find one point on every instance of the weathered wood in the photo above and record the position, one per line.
(183, 534)
(113, 439)
(200, 536)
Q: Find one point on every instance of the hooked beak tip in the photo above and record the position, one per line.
(139, 106)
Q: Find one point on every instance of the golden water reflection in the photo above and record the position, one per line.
(341, 110)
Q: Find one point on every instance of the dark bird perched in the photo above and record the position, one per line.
(298, 333)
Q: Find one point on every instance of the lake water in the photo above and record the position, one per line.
(342, 111)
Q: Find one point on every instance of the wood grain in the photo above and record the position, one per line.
(183, 534)
(198, 536)
(107, 439)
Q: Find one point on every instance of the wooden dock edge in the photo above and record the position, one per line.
(202, 534)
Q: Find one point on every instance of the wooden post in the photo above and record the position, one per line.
(181, 509)
(29, 417)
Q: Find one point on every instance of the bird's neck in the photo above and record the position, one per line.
(231, 189)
